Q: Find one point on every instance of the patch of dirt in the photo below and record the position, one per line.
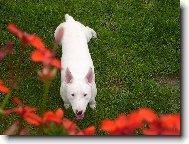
(168, 80)
(117, 83)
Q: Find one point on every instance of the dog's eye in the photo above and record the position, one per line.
(73, 94)
(85, 94)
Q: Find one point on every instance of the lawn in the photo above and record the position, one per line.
(136, 53)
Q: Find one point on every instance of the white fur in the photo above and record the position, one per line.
(76, 60)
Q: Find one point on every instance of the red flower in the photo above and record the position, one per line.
(88, 131)
(3, 88)
(56, 117)
(170, 121)
(42, 54)
(27, 38)
(116, 127)
(25, 112)
(46, 57)
(71, 127)
(147, 115)
(167, 125)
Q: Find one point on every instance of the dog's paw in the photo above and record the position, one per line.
(93, 106)
(66, 106)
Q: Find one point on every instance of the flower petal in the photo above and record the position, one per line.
(27, 110)
(18, 110)
(1, 82)
(15, 30)
(108, 125)
(56, 63)
(88, 131)
(34, 116)
(59, 113)
(4, 89)
(170, 121)
(150, 132)
(121, 122)
(37, 56)
(70, 126)
(36, 42)
(170, 132)
(148, 115)
(17, 100)
(32, 121)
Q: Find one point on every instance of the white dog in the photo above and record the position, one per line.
(78, 86)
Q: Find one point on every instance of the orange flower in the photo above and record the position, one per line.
(56, 117)
(166, 125)
(147, 115)
(46, 57)
(170, 121)
(88, 131)
(42, 54)
(116, 127)
(25, 112)
(71, 127)
(27, 38)
(3, 88)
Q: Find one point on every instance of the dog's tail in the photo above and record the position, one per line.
(68, 18)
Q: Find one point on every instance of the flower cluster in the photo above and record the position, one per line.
(41, 55)
(53, 122)
(49, 117)
(144, 119)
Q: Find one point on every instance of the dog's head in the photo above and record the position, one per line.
(79, 92)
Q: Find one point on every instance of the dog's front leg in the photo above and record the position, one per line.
(92, 104)
(63, 95)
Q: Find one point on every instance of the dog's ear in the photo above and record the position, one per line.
(89, 77)
(68, 79)
(58, 34)
(90, 33)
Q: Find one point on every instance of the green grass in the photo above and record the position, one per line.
(136, 40)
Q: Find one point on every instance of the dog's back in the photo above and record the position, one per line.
(76, 54)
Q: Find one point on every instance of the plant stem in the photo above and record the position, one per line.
(18, 66)
(20, 125)
(5, 100)
(54, 49)
(29, 72)
(45, 96)
(41, 130)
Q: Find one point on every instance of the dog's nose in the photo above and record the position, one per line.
(79, 112)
